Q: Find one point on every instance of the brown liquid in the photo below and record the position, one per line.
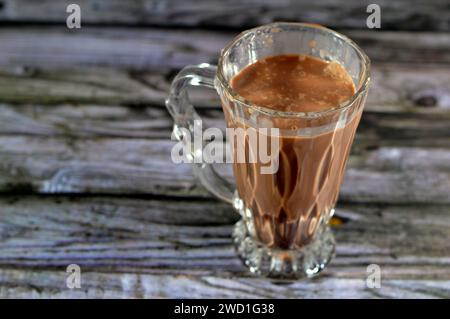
(288, 206)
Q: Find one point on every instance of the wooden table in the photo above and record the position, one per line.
(86, 176)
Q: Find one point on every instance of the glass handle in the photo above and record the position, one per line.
(186, 118)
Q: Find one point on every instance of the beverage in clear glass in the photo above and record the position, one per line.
(284, 228)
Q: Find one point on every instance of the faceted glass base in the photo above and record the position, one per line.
(307, 261)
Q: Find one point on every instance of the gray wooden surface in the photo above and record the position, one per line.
(86, 176)
(398, 15)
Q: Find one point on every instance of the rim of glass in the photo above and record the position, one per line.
(268, 111)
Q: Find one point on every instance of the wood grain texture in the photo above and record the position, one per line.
(397, 126)
(406, 88)
(141, 166)
(401, 15)
(122, 146)
(166, 248)
(50, 284)
(138, 49)
(83, 115)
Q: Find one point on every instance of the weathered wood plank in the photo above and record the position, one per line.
(395, 88)
(404, 15)
(16, 283)
(411, 127)
(87, 120)
(157, 248)
(143, 166)
(137, 49)
(93, 85)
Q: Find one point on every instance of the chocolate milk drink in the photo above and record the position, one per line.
(288, 206)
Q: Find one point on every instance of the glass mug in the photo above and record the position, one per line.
(284, 229)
